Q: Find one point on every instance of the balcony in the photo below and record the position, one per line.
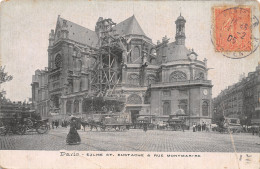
(182, 83)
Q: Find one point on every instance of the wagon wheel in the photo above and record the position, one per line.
(117, 128)
(29, 123)
(123, 128)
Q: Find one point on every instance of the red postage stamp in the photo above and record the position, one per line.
(232, 29)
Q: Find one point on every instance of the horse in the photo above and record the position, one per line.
(92, 124)
(84, 124)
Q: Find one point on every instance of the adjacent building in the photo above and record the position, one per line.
(118, 68)
(40, 92)
(241, 100)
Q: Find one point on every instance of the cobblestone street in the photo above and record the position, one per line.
(134, 140)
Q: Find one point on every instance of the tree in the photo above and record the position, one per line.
(220, 121)
(4, 77)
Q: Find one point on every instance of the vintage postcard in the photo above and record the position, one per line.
(129, 84)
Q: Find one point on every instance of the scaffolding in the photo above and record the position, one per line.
(106, 73)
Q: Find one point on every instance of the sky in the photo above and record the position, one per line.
(25, 27)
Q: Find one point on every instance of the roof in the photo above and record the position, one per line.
(78, 33)
(128, 27)
(176, 52)
(180, 18)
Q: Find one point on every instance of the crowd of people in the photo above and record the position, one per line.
(201, 127)
(57, 123)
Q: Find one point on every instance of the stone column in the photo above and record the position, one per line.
(124, 75)
(64, 106)
(72, 107)
(80, 105)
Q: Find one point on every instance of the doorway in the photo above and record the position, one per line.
(134, 114)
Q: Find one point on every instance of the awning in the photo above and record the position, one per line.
(257, 108)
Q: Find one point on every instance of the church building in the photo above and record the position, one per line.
(118, 68)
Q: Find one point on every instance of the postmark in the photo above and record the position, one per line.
(232, 31)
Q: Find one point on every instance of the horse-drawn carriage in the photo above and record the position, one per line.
(108, 121)
(232, 125)
(229, 125)
(177, 121)
(144, 121)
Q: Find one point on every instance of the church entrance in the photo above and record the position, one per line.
(134, 114)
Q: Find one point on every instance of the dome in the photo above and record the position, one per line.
(180, 18)
(176, 52)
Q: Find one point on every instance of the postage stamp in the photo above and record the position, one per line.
(233, 31)
(233, 35)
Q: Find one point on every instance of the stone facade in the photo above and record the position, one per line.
(150, 79)
(40, 93)
(241, 100)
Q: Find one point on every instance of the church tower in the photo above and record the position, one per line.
(180, 30)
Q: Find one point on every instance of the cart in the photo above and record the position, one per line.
(110, 122)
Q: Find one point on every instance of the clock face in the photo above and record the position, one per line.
(192, 56)
(205, 92)
(58, 61)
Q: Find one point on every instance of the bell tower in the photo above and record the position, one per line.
(180, 30)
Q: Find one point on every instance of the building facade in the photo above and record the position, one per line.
(241, 100)
(91, 70)
(40, 93)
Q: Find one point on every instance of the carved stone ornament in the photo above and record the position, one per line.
(200, 76)
(178, 76)
(134, 99)
(151, 79)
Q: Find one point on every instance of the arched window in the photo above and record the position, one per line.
(166, 108)
(178, 76)
(58, 61)
(68, 107)
(183, 105)
(56, 103)
(78, 65)
(151, 79)
(76, 106)
(135, 55)
(81, 85)
(205, 108)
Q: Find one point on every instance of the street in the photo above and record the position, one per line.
(134, 140)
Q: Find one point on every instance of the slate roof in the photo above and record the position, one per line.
(176, 52)
(80, 34)
(128, 27)
(86, 36)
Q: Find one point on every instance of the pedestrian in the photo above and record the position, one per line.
(203, 126)
(57, 123)
(194, 127)
(207, 127)
(73, 136)
(52, 124)
(199, 127)
(145, 127)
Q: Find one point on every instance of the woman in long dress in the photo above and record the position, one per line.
(73, 136)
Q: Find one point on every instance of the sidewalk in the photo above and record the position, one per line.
(6, 143)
